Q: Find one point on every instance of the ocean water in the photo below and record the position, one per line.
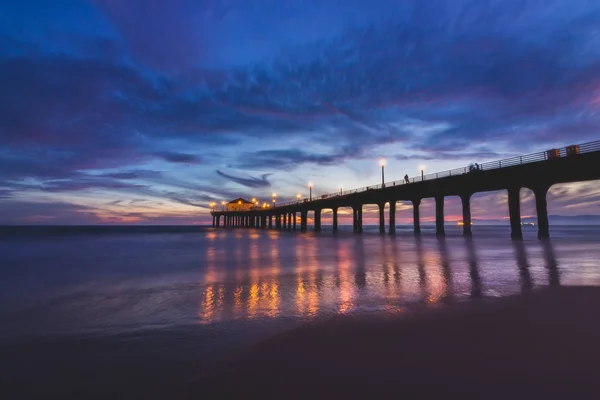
(196, 292)
(106, 281)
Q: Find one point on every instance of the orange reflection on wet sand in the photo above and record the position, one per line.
(273, 310)
(253, 295)
(253, 300)
(300, 295)
(313, 294)
(273, 304)
(210, 275)
(207, 307)
(436, 284)
(210, 236)
(237, 299)
(307, 275)
(307, 297)
(346, 289)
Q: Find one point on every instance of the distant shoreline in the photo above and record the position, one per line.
(190, 226)
(21, 231)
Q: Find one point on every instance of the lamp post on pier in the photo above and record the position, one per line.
(382, 162)
(310, 191)
(274, 199)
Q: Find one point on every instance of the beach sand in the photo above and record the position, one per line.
(543, 344)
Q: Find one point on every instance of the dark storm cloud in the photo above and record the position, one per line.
(250, 182)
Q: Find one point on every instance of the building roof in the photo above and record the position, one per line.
(236, 201)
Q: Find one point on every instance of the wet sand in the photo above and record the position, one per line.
(544, 344)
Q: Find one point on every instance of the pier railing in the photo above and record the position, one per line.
(505, 163)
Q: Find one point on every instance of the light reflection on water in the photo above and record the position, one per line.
(142, 281)
(304, 275)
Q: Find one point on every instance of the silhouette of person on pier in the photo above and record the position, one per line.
(406, 179)
(474, 167)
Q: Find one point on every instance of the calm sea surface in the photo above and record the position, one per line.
(106, 281)
(212, 289)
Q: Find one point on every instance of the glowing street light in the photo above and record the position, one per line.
(223, 204)
(310, 185)
(422, 168)
(298, 196)
(382, 162)
(340, 191)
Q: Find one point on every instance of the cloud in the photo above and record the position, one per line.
(166, 35)
(5, 193)
(176, 157)
(82, 184)
(282, 159)
(250, 182)
(434, 155)
(63, 213)
(15, 212)
(132, 174)
(282, 87)
(486, 86)
(191, 202)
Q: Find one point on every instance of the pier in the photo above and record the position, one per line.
(537, 172)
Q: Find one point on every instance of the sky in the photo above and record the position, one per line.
(145, 111)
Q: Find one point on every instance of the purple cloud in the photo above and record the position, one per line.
(250, 182)
(282, 86)
(176, 157)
